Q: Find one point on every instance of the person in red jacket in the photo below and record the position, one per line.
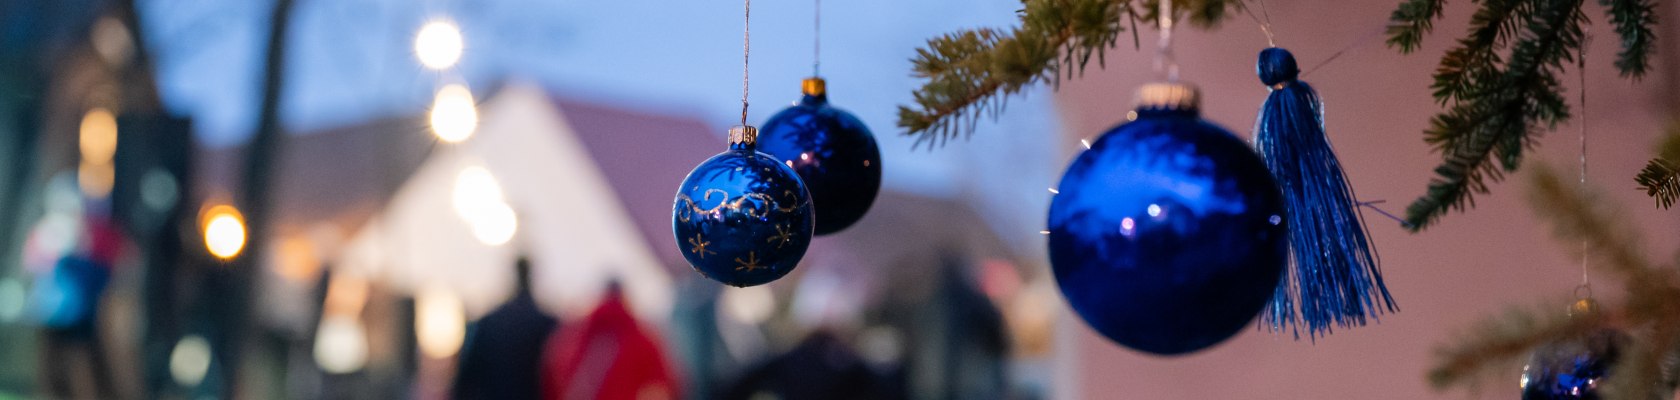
(607, 356)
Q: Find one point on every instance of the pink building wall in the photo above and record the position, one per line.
(1467, 267)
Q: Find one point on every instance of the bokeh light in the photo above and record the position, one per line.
(98, 136)
(749, 305)
(341, 345)
(224, 231)
(454, 116)
(440, 322)
(475, 191)
(12, 297)
(95, 179)
(495, 225)
(190, 360)
(439, 44)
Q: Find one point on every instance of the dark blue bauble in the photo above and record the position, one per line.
(1168, 235)
(832, 151)
(1572, 369)
(742, 218)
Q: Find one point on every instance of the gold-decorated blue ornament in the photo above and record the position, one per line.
(1574, 368)
(833, 152)
(742, 217)
(1168, 236)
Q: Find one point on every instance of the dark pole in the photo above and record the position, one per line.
(260, 156)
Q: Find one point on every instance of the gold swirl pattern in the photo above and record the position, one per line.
(687, 207)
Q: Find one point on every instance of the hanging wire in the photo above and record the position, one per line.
(746, 56)
(816, 40)
(1164, 61)
(1361, 42)
(1581, 69)
(1265, 26)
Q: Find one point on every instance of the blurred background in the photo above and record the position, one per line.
(471, 199)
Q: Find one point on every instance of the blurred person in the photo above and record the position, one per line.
(607, 356)
(502, 354)
(822, 367)
(67, 305)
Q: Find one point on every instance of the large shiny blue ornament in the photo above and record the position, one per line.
(1572, 369)
(1167, 236)
(832, 151)
(742, 218)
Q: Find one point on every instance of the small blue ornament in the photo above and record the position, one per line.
(1572, 369)
(741, 217)
(832, 151)
(1168, 236)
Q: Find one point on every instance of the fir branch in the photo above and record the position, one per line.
(1661, 177)
(1634, 20)
(1497, 343)
(1496, 107)
(1411, 21)
(1650, 311)
(970, 74)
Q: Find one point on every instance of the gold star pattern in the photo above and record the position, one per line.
(782, 236)
(751, 264)
(699, 244)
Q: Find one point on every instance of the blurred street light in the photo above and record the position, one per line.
(98, 143)
(495, 225)
(341, 345)
(438, 45)
(440, 323)
(224, 231)
(454, 115)
(190, 360)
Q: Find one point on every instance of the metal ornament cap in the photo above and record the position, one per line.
(813, 86)
(1168, 96)
(743, 135)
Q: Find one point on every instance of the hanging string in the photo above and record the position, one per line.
(1164, 62)
(1581, 69)
(1361, 42)
(746, 56)
(1265, 26)
(816, 40)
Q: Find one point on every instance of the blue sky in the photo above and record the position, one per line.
(351, 61)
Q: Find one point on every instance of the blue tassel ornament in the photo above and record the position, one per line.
(1334, 279)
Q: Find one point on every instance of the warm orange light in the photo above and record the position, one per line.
(224, 231)
(98, 136)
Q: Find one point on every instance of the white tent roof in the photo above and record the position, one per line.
(571, 224)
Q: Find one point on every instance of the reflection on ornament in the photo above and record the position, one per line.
(745, 218)
(833, 153)
(1166, 236)
(1572, 369)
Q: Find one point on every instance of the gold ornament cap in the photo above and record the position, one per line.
(1584, 307)
(813, 86)
(1168, 96)
(743, 135)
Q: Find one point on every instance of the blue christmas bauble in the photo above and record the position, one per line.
(1168, 235)
(742, 218)
(1572, 369)
(832, 151)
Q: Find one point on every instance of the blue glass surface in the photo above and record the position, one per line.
(742, 218)
(1168, 235)
(834, 154)
(1572, 369)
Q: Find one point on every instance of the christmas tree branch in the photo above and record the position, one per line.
(1661, 176)
(1650, 312)
(970, 74)
(1496, 107)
